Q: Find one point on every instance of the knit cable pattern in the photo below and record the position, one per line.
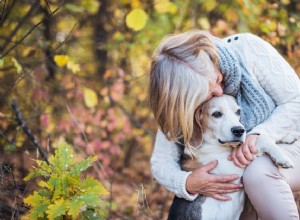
(255, 103)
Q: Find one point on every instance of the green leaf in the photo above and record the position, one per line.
(44, 193)
(44, 166)
(9, 147)
(36, 173)
(74, 8)
(89, 198)
(92, 185)
(83, 165)
(74, 207)
(63, 192)
(90, 215)
(39, 204)
(57, 186)
(56, 210)
(63, 159)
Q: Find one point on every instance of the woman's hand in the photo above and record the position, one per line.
(242, 155)
(202, 182)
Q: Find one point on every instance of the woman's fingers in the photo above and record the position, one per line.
(251, 141)
(224, 178)
(202, 182)
(235, 158)
(246, 151)
(210, 166)
(221, 197)
(241, 157)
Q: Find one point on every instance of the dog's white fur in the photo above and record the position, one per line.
(218, 139)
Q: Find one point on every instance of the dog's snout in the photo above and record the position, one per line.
(238, 131)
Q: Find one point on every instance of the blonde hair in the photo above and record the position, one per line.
(182, 68)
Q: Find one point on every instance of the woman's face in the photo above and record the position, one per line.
(216, 87)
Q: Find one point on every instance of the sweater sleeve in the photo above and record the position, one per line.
(166, 169)
(278, 79)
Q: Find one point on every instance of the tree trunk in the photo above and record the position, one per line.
(49, 37)
(101, 35)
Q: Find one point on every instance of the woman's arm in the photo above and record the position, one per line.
(279, 80)
(166, 170)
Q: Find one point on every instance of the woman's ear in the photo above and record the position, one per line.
(196, 139)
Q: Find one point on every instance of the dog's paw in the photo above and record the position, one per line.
(290, 138)
(284, 162)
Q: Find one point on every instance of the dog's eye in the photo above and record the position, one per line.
(217, 114)
(238, 112)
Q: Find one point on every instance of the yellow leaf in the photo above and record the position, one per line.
(57, 209)
(74, 67)
(16, 64)
(61, 60)
(91, 5)
(28, 51)
(43, 184)
(135, 3)
(210, 5)
(1, 63)
(136, 19)
(164, 6)
(204, 23)
(137, 132)
(90, 98)
(285, 2)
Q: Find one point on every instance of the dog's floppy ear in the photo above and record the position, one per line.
(196, 140)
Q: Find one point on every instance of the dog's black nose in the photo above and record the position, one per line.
(238, 131)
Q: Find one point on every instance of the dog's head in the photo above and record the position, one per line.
(220, 121)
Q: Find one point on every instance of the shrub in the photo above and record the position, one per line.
(63, 195)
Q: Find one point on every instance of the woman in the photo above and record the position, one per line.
(189, 69)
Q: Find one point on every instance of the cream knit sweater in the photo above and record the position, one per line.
(270, 71)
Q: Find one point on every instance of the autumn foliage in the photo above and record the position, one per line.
(63, 194)
(78, 70)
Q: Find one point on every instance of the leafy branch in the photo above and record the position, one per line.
(29, 32)
(27, 131)
(63, 194)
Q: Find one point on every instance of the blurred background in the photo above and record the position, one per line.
(78, 71)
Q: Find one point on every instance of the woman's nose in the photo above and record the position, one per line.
(218, 91)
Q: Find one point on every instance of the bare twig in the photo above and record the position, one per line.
(29, 32)
(27, 131)
(3, 10)
(6, 13)
(65, 40)
(20, 24)
(48, 5)
(86, 140)
(20, 77)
